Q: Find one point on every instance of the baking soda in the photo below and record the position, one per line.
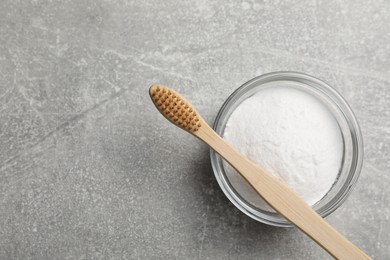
(292, 135)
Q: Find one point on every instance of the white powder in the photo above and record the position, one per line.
(292, 135)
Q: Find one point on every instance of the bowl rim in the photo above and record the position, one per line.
(356, 136)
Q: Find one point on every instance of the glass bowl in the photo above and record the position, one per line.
(352, 142)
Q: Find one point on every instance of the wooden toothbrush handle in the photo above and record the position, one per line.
(284, 200)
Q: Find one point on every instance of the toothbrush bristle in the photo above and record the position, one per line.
(175, 108)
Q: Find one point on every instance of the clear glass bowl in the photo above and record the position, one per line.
(352, 142)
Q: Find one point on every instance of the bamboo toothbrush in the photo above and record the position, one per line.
(283, 199)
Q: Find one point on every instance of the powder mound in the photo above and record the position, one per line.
(292, 135)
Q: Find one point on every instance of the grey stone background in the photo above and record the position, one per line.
(90, 170)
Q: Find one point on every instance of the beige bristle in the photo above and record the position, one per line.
(175, 108)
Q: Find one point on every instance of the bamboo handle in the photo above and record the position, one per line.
(284, 200)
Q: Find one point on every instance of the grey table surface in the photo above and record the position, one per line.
(90, 170)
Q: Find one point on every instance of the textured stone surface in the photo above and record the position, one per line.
(89, 169)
